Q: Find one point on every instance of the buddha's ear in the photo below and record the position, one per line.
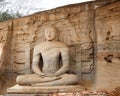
(57, 32)
(57, 36)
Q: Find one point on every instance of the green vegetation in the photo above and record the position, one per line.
(6, 15)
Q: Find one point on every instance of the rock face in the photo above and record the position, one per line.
(5, 52)
(89, 33)
(108, 43)
(75, 25)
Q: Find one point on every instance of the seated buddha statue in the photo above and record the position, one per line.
(55, 63)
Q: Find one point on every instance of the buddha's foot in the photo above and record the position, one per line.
(33, 79)
(48, 79)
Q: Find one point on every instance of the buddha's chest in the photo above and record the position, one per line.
(50, 54)
(50, 60)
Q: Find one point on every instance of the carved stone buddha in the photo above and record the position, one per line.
(54, 69)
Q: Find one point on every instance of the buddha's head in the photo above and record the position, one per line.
(50, 33)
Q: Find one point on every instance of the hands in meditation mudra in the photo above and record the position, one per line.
(55, 56)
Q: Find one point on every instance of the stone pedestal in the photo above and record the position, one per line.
(17, 89)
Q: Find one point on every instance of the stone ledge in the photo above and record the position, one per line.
(63, 94)
(43, 90)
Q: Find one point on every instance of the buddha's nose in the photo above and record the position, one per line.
(49, 34)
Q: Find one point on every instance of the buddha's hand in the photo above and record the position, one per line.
(41, 74)
(50, 75)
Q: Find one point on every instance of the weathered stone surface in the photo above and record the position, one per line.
(108, 70)
(72, 22)
(108, 44)
(75, 24)
(5, 52)
(43, 90)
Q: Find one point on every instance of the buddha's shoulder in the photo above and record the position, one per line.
(61, 44)
(39, 45)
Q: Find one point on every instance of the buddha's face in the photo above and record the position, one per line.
(50, 33)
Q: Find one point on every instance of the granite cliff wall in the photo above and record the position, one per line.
(107, 24)
(90, 34)
(5, 51)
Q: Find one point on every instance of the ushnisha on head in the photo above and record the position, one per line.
(50, 33)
